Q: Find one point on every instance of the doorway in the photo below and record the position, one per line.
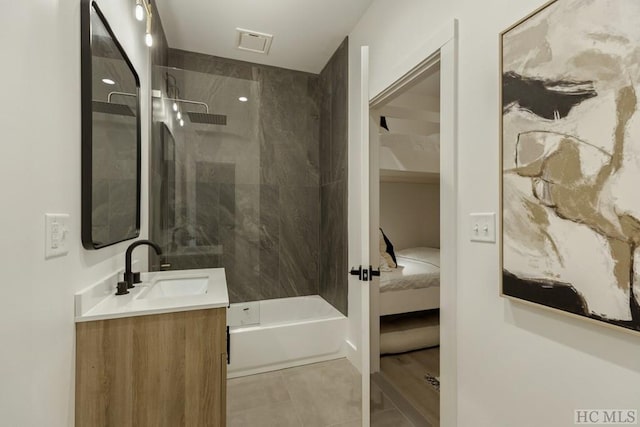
(431, 308)
(405, 349)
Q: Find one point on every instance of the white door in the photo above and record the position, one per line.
(364, 230)
(369, 256)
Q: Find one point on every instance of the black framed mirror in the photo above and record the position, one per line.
(111, 150)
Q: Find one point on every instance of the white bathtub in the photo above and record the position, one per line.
(282, 333)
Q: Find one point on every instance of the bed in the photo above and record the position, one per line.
(414, 285)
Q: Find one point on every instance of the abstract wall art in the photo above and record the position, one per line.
(570, 131)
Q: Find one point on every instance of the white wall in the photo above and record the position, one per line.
(39, 173)
(410, 214)
(517, 365)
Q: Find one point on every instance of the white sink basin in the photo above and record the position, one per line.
(179, 287)
(160, 292)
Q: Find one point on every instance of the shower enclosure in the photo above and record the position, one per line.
(248, 172)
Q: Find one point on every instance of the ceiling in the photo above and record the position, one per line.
(305, 32)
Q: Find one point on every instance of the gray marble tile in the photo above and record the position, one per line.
(122, 208)
(334, 116)
(299, 240)
(207, 213)
(192, 261)
(270, 240)
(158, 229)
(160, 49)
(292, 163)
(289, 122)
(326, 393)
(210, 64)
(215, 172)
(339, 113)
(333, 234)
(245, 273)
(291, 137)
(240, 237)
(100, 233)
(100, 202)
(247, 212)
(227, 206)
(325, 128)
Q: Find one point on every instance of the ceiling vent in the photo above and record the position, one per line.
(254, 41)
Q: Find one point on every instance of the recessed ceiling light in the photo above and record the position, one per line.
(108, 81)
(181, 122)
(243, 99)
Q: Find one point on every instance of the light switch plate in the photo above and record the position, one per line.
(56, 235)
(483, 227)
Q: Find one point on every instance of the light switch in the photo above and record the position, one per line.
(56, 235)
(483, 227)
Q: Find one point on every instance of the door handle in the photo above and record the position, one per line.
(365, 274)
(373, 272)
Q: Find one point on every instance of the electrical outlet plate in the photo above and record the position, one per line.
(483, 227)
(56, 235)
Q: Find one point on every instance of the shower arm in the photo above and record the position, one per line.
(120, 94)
(184, 101)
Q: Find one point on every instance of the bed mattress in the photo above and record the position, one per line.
(417, 268)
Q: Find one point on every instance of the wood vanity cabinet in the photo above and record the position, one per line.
(162, 370)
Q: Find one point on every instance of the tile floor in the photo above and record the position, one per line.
(320, 395)
(324, 394)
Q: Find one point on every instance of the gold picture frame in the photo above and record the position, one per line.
(539, 92)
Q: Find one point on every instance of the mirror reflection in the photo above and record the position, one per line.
(112, 169)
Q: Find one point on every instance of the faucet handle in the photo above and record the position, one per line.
(122, 288)
(129, 279)
(136, 277)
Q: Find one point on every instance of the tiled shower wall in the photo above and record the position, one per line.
(264, 200)
(333, 178)
(269, 199)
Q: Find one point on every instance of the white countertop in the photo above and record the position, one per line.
(99, 302)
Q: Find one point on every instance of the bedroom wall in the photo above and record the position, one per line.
(517, 365)
(410, 214)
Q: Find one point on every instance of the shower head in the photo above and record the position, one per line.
(112, 108)
(207, 119)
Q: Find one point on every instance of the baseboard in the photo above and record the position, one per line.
(284, 365)
(353, 355)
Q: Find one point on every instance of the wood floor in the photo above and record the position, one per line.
(406, 372)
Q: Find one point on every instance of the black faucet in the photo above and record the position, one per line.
(130, 277)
